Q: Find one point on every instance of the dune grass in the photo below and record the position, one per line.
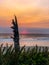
(33, 56)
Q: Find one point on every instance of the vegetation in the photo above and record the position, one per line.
(15, 34)
(23, 56)
(33, 56)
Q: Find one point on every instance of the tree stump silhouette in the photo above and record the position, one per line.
(15, 34)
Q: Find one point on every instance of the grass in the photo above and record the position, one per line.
(33, 56)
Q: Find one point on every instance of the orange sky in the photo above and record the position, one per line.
(30, 13)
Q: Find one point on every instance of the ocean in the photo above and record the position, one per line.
(27, 40)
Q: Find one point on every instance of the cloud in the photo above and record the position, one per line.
(25, 30)
(44, 3)
(27, 11)
(40, 24)
(34, 30)
(5, 30)
(25, 3)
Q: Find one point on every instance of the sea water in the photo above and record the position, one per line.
(27, 41)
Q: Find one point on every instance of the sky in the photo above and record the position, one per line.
(30, 13)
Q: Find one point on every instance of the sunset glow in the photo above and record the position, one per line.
(30, 13)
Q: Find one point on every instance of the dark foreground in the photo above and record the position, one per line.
(33, 56)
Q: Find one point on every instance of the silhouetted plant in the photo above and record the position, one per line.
(15, 34)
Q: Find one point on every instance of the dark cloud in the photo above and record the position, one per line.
(35, 30)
